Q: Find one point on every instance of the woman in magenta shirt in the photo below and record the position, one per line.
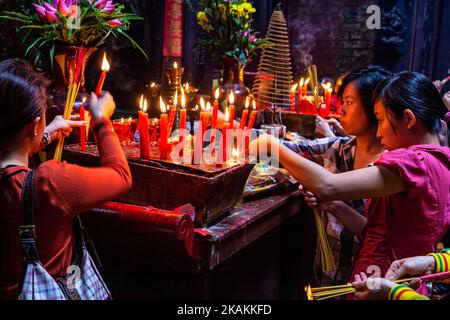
(408, 187)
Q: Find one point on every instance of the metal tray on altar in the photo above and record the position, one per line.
(212, 190)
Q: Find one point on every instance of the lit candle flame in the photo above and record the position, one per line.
(254, 105)
(307, 81)
(141, 102)
(183, 100)
(187, 86)
(105, 63)
(152, 85)
(162, 105)
(145, 106)
(175, 98)
(217, 93)
(175, 65)
(130, 119)
(202, 104)
(247, 102)
(84, 100)
(227, 115)
(122, 120)
(302, 81)
(196, 107)
(309, 294)
(235, 153)
(294, 87)
(231, 98)
(208, 107)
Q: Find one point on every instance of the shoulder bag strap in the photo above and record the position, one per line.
(27, 230)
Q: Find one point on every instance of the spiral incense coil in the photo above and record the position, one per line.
(274, 77)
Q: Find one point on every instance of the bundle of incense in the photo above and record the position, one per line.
(74, 86)
(322, 293)
(326, 255)
(312, 73)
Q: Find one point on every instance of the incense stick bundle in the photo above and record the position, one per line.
(312, 73)
(74, 86)
(326, 255)
(322, 293)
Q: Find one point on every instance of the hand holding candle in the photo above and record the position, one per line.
(101, 81)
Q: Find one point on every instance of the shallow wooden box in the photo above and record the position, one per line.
(304, 124)
(165, 185)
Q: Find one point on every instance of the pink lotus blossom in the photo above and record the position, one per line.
(109, 7)
(51, 16)
(40, 10)
(100, 4)
(49, 7)
(114, 22)
(63, 9)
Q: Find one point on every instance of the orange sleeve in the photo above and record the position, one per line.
(78, 188)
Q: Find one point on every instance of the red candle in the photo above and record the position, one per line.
(172, 113)
(163, 132)
(225, 129)
(83, 128)
(327, 99)
(231, 107)
(300, 94)
(143, 129)
(101, 81)
(214, 121)
(292, 96)
(182, 122)
(206, 117)
(251, 121)
(198, 142)
(305, 87)
(245, 114)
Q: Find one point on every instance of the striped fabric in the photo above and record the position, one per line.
(442, 261)
(402, 292)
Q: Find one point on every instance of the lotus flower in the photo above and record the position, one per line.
(109, 7)
(63, 9)
(100, 4)
(114, 22)
(51, 16)
(40, 10)
(49, 7)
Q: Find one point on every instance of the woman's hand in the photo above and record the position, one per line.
(313, 202)
(372, 288)
(446, 99)
(323, 127)
(336, 125)
(61, 127)
(102, 107)
(411, 266)
(264, 143)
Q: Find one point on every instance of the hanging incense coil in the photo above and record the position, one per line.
(274, 77)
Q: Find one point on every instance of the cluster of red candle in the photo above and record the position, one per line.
(228, 133)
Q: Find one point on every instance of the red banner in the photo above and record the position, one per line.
(173, 29)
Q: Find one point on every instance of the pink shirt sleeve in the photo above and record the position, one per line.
(409, 164)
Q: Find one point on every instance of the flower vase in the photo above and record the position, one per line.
(232, 79)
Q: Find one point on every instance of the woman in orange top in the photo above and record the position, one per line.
(62, 190)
